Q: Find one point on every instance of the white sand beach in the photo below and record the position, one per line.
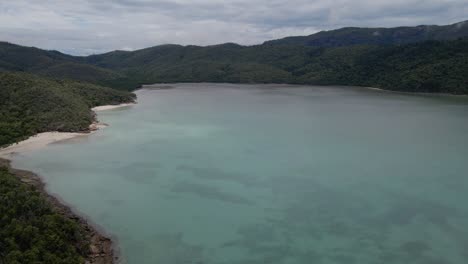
(43, 139)
(35, 142)
(376, 89)
(110, 107)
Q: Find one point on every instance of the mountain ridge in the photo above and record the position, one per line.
(377, 36)
(411, 67)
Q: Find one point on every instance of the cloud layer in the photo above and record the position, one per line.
(89, 26)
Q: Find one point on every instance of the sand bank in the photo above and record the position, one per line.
(43, 139)
(110, 107)
(376, 89)
(35, 142)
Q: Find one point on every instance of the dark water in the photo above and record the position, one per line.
(232, 174)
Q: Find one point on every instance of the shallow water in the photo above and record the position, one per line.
(241, 174)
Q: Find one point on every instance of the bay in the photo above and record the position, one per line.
(237, 174)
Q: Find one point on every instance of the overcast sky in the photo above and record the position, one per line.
(95, 26)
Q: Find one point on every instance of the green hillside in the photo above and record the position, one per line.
(30, 104)
(54, 64)
(431, 66)
(377, 36)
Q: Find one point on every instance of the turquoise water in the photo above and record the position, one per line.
(240, 174)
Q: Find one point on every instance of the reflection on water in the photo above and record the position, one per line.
(241, 174)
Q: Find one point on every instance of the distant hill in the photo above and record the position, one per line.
(55, 65)
(377, 36)
(430, 66)
(15, 57)
(426, 59)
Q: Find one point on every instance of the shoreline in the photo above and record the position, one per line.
(414, 93)
(43, 139)
(110, 107)
(102, 248)
(169, 85)
(39, 141)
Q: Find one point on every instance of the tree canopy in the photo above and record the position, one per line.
(30, 104)
(31, 231)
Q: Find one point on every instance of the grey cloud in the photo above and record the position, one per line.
(88, 26)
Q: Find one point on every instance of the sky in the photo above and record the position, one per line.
(83, 27)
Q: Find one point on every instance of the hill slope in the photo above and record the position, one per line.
(431, 66)
(377, 36)
(54, 64)
(30, 104)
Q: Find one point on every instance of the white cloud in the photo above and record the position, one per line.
(88, 26)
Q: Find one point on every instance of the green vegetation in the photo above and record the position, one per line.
(30, 104)
(54, 64)
(431, 66)
(31, 231)
(377, 36)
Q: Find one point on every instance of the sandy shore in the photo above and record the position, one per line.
(36, 142)
(110, 107)
(43, 139)
(376, 89)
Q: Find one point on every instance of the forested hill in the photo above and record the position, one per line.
(377, 36)
(54, 64)
(438, 66)
(431, 66)
(30, 104)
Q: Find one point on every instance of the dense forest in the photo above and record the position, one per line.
(430, 66)
(30, 104)
(377, 36)
(31, 231)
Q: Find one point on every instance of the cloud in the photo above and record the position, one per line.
(88, 26)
